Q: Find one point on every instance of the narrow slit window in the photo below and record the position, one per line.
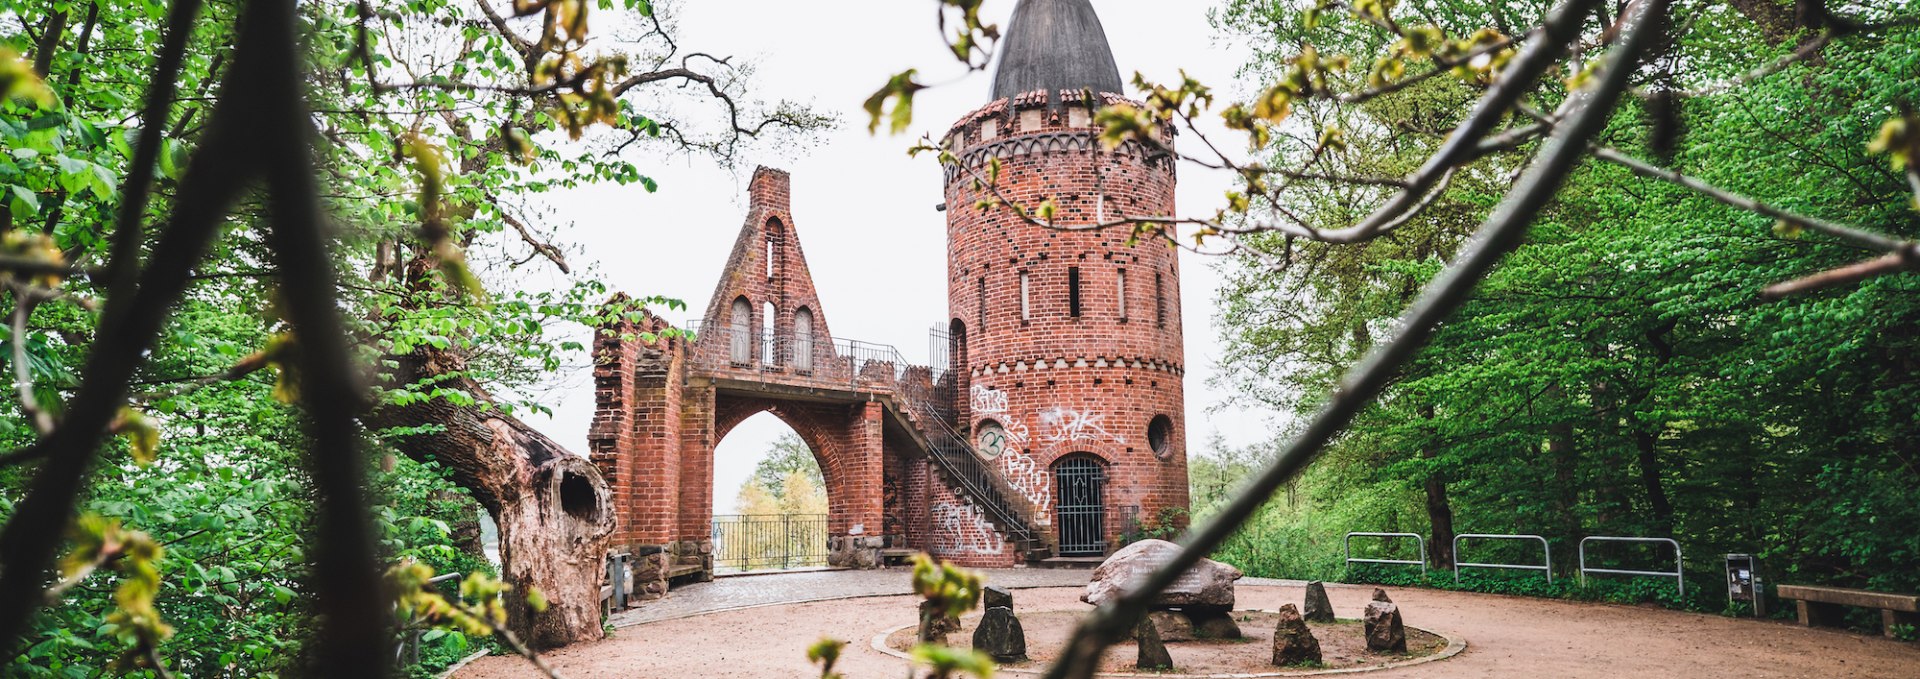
(1121, 289)
(769, 257)
(980, 301)
(1026, 295)
(1073, 291)
(1159, 300)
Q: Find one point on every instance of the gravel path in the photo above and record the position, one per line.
(1507, 636)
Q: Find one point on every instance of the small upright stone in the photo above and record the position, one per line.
(1293, 643)
(1319, 608)
(1153, 652)
(995, 596)
(1385, 633)
(1380, 595)
(1000, 635)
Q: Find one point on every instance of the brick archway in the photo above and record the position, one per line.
(835, 435)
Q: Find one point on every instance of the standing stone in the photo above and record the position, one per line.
(1384, 629)
(1153, 652)
(1208, 583)
(1380, 595)
(999, 635)
(1293, 643)
(995, 596)
(1319, 609)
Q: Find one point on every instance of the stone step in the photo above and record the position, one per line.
(1079, 562)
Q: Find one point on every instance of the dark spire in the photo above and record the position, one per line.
(1055, 45)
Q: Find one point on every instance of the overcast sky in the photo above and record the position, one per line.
(863, 210)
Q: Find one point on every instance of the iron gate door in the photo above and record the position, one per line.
(1080, 485)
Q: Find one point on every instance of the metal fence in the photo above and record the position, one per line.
(1421, 562)
(1546, 555)
(1679, 572)
(748, 542)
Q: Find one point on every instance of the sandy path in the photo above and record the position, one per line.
(1507, 637)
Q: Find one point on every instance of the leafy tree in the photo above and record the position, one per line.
(786, 481)
(214, 209)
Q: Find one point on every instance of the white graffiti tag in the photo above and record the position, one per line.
(1030, 479)
(988, 400)
(963, 529)
(1063, 425)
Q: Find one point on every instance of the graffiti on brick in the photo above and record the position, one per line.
(988, 400)
(1065, 425)
(961, 528)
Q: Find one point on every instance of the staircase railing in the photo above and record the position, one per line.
(826, 360)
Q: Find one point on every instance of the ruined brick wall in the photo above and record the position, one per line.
(635, 435)
(767, 266)
(1062, 378)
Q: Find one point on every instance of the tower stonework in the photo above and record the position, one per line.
(1069, 343)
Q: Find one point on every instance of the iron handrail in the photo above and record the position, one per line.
(1679, 572)
(1545, 550)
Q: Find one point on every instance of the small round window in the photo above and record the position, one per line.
(991, 438)
(1160, 436)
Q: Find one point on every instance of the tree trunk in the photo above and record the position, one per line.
(554, 510)
(1439, 508)
(1650, 471)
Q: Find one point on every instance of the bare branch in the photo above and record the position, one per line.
(1897, 262)
(1848, 233)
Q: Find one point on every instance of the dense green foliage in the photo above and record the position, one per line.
(1619, 374)
(437, 126)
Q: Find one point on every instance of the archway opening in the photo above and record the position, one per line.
(770, 499)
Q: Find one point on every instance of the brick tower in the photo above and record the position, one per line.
(1068, 343)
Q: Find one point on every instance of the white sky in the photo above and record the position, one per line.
(863, 210)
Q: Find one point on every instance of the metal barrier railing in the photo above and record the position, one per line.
(769, 541)
(1545, 551)
(1422, 563)
(1679, 561)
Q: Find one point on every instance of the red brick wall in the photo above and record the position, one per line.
(1061, 383)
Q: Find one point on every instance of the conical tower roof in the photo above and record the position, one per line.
(1055, 45)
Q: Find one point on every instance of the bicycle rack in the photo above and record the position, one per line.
(1679, 561)
(1545, 551)
(1422, 563)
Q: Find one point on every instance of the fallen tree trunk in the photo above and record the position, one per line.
(554, 510)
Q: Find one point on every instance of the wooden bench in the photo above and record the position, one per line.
(1821, 605)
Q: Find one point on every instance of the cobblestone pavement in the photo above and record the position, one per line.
(746, 591)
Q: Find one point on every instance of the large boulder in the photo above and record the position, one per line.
(1293, 643)
(1385, 632)
(999, 635)
(1153, 652)
(1207, 584)
(1212, 623)
(1319, 608)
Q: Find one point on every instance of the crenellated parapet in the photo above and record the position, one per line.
(1029, 124)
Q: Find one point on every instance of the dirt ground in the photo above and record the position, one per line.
(1343, 644)
(1506, 637)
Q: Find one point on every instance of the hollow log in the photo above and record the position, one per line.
(554, 510)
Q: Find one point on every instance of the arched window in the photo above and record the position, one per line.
(769, 343)
(740, 332)
(803, 340)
